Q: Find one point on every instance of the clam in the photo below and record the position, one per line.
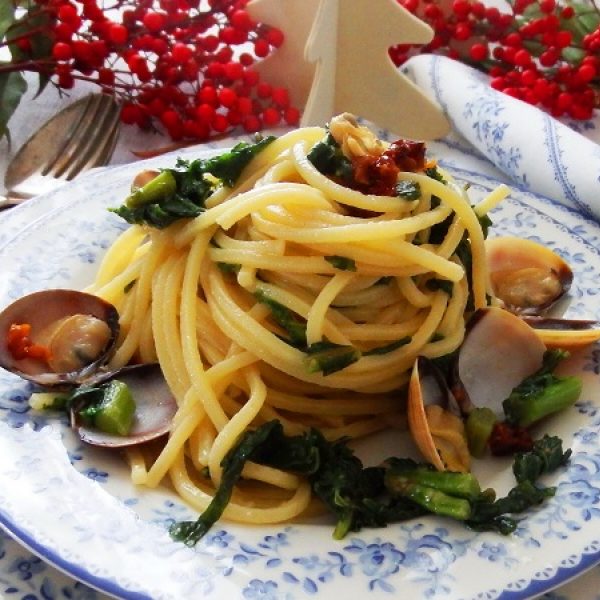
(499, 351)
(567, 334)
(437, 430)
(155, 408)
(526, 276)
(57, 338)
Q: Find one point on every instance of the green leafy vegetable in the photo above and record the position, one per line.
(380, 350)
(190, 532)
(328, 357)
(285, 318)
(229, 166)
(542, 394)
(109, 407)
(328, 158)
(341, 262)
(441, 284)
(434, 173)
(162, 186)
(409, 190)
(546, 456)
(181, 193)
(478, 428)
(375, 496)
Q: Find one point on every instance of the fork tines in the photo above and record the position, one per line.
(90, 142)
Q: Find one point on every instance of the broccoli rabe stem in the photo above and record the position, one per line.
(157, 189)
(434, 501)
(461, 485)
(560, 394)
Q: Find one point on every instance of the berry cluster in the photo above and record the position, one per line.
(543, 52)
(184, 66)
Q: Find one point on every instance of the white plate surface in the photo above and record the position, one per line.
(76, 508)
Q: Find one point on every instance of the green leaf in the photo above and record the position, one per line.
(7, 17)
(12, 88)
(343, 263)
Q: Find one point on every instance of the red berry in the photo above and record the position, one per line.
(154, 21)
(170, 118)
(240, 19)
(67, 13)
(291, 116)
(586, 73)
(244, 106)
(478, 52)
(522, 58)
(205, 112)
(220, 123)
(118, 34)
(261, 48)
(209, 43)
(62, 51)
(275, 37)
(233, 71)
(271, 117)
(264, 90)
(66, 81)
(106, 76)
(252, 124)
(181, 53)
(227, 97)
(208, 95)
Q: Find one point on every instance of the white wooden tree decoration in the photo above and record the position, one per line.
(287, 66)
(337, 60)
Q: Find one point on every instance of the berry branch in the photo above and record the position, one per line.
(544, 52)
(181, 66)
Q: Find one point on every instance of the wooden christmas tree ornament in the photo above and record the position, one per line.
(335, 59)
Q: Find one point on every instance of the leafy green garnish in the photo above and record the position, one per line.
(229, 166)
(387, 348)
(445, 285)
(108, 407)
(181, 192)
(434, 173)
(285, 318)
(328, 357)
(542, 393)
(401, 489)
(546, 456)
(190, 532)
(409, 190)
(328, 158)
(341, 262)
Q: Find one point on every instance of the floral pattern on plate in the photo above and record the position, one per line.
(119, 543)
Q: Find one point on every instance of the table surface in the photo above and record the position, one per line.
(25, 576)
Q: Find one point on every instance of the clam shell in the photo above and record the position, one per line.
(40, 310)
(528, 277)
(154, 412)
(498, 352)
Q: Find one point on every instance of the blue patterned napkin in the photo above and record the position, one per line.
(536, 151)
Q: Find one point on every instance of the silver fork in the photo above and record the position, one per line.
(89, 143)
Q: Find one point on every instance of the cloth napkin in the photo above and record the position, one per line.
(559, 160)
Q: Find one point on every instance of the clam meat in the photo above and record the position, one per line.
(526, 276)
(57, 337)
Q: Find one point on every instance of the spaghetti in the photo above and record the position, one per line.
(294, 296)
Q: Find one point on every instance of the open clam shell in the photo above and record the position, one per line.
(436, 429)
(566, 334)
(499, 351)
(155, 407)
(528, 277)
(78, 330)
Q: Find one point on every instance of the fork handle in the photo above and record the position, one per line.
(10, 201)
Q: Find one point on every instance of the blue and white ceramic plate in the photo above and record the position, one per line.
(76, 508)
